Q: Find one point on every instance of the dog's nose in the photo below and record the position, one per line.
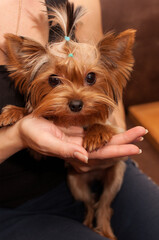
(75, 105)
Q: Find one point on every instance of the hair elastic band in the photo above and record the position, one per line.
(67, 38)
(70, 55)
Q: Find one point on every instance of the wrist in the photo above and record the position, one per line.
(16, 133)
(10, 142)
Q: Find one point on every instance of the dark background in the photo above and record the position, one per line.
(143, 87)
(142, 15)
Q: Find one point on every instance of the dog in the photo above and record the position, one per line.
(75, 84)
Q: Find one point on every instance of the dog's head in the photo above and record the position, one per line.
(71, 82)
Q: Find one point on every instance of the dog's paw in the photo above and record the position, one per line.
(10, 115)
(97, 136)
(103, 222)
(110, 236)
(89, 217)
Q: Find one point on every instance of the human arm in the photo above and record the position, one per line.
(25, 133)
(33, 137)
(10, 142)
(43, 137)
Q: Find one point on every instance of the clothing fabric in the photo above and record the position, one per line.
(21, 176)
(56, 215)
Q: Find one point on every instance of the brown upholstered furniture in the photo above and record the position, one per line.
(143, 87)
(143, 16)
(147, 115)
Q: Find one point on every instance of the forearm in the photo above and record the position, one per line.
(91, 28)
(10, 142)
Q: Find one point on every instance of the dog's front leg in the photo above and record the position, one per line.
(97, 135)
(11, 114)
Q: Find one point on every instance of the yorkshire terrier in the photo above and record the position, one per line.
(75, 84)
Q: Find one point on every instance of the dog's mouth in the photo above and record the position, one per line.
(75, 111)
(67, 121)
(78, 117)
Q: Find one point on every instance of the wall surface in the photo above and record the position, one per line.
(142, 15)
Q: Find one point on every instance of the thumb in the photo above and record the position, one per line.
(68, 150)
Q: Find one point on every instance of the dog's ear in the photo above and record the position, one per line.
(116, 50)
(116, 56)
(24, 58)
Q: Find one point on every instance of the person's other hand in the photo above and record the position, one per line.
(121, 145)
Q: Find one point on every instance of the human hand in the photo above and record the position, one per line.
(46, 138)
(121, 145)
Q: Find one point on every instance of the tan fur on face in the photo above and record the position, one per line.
(53, 103)
(31, 65)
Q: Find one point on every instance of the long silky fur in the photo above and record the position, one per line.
(67, 17)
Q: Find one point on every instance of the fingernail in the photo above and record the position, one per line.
(141, 139)
(140, 151)
(146, 131)
(81, 157)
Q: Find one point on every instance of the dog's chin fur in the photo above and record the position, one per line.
(95, 75)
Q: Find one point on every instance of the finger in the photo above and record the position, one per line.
(81, 167)
(73, 140)
(113, 151)
(73, 131)
(139, 139)
(94, 164)
(129, 136)
(66, 149)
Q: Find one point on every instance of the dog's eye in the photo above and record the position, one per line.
(90, 78)
(54, 80)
